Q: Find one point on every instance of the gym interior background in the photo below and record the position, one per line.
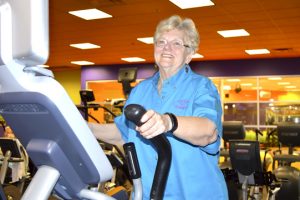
(259, 90)
(246, 82)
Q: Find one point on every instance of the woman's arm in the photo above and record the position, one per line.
(195, 130)
(108, 133)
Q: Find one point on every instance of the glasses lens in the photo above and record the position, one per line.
(174, 44)
(161, 43)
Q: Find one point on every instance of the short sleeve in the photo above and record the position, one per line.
(207, 105)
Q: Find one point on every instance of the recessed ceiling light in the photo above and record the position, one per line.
(246, 84)
(274, 78)
(234, 33)
(133, 59)
(185, 4)
(257, 51)
(226, 87)
(90, 14)
(290, 86)
(147, 40)
(85, 46)
(82, 62)
(283, 83)
(44, 66)
(197, 55)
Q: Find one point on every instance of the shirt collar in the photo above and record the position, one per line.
(176, 78)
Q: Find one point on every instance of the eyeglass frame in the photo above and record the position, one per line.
(172, 43)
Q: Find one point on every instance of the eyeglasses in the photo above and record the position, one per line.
(175, 44)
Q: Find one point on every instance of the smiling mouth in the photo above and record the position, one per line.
(166, 56)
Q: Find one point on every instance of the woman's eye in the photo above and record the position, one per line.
(177, 44)
(160, 42)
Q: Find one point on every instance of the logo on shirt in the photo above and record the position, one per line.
(182, 103)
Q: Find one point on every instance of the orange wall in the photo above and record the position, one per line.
(104, 91)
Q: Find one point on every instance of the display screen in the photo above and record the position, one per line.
(127, 75)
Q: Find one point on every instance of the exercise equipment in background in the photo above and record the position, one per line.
(232, 130)
(127, 76)
(13, 153)
(120, 184)
(246, 162)
(14, 167)
(88, 102)
(288, 136)
(41, 114)
(244, 171)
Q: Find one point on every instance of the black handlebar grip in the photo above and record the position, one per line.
(132, 160)
(134, 113)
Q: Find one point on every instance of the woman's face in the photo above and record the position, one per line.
(170, 51)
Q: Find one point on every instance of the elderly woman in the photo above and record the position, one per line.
(189, 99)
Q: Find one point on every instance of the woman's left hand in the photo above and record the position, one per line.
(153, 124)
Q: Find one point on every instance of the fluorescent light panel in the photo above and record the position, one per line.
(257, 51)
(233, 33)
(197, 55)
(185, 4)
(226, 87)
(85, 46)
(290, 86)
(274, 78)
(82, 62)
(246, 84)
(90, 14)
(133, 59)
(44, 66)
(147, 40)
(283, 83)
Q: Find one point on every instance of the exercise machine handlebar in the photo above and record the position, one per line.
(134, 113)
(132, 161)
(134, 169)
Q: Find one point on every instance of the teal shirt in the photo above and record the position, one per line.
(194, 172)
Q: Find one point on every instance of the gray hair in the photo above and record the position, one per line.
(186, 25)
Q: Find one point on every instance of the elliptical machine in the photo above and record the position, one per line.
(42, 115)
(246, 163)
(289, 176)
(244, 172)
(232, 130)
